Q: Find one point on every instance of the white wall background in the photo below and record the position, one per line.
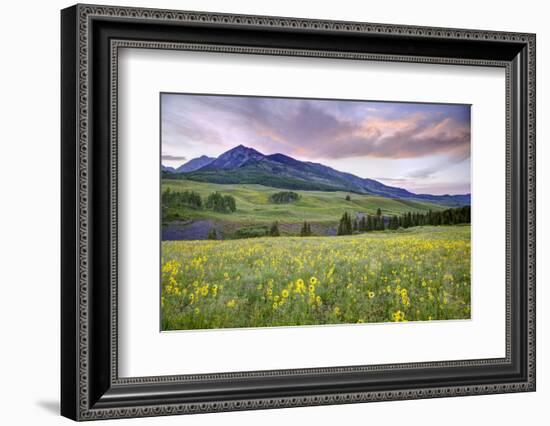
(29, 213)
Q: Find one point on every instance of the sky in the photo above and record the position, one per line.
(424, 148)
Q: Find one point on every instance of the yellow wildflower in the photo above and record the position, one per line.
(398, 316)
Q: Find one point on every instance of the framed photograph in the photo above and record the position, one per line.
(264, 212)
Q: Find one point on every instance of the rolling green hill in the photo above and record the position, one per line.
(319, 207)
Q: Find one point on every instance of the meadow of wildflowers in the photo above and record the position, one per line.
(418, 274)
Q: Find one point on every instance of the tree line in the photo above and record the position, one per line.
(378, 222)
(190, 199)
(348, 226)
(367, 223)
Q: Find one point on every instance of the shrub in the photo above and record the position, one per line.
(251, 232)
(274, 230)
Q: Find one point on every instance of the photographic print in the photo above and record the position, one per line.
(296, 211)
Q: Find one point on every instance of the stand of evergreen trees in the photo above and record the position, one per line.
(181, 199)
(454, 216)
(221, 203)
(367, 223)
(190, 199)
(284, 197)
(345, 227)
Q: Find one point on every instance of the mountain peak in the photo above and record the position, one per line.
(235, 157)
(242, 148)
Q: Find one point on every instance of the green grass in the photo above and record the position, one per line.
(253, 206)
(418, 274)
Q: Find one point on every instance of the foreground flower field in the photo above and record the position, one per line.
(419, 274)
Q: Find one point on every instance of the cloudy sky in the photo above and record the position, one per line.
(424, 148)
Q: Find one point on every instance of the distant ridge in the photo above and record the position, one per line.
(244, 165)
(194, 164)
(167, 169)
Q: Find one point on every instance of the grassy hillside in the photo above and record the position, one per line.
(254, 207)
(418, 274)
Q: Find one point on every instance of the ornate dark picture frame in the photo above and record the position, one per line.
(91, 37)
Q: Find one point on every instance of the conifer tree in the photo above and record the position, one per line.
(370, 223)
(341, 225)
(363, 224)
(345, 227)
(381, 223)
(306, 229)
